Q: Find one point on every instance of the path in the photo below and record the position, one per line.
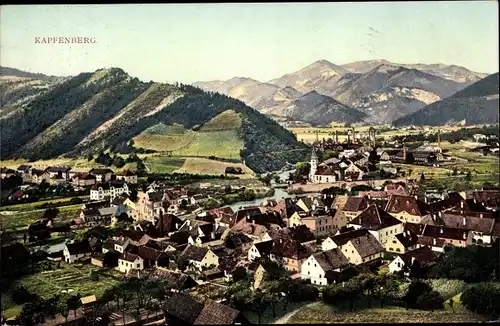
(285, 318)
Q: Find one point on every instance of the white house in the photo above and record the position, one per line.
(260, 249)
(76, 251)
(102, 175)
(128, 262)
(200, 257)
(318, 265)
(109, 190)
(119, 244)
(425, 256)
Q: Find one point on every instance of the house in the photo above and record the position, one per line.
(200, 257)
(149, 205)
(183, 309)
(83, 179)
(260, 249)
(61, 171)
(424, 256)
(102, 175)
(127, 176)
(354, 206)
(239, 242)
(6, 172)
(481, 229)
(118, 245)
(179, 282)
(76, 251)
(208, 235)
(93, 217)
(437, 237)
(260, 276)
(18, 195)
(300, 234)
(322, 173)
(39, 176)
(108, 260)
(317, 266)
(152, 257)
(363, 250)
(291, 253)
(427, 158)
(353, 172)
(381, 224)
(23, 169)
(57, 180)
(342, 236)
(233, 170)
(317, 222)
(130, 262)
(406, 208)
(123, 204)
(110, 190)
(402, 242)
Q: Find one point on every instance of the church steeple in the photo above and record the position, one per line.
(314, 164)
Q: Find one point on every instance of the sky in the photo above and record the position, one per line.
(200, 42)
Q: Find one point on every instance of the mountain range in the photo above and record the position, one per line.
(382, 90)
(44, 117)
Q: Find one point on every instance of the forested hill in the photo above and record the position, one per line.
(103, 110)
(476, 104)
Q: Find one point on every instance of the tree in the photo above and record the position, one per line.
(240, 274)
(73, 303)
(386, 288)
(455, 171)
(303, 168)
(366, 283)
(468, 177)
(259, 303)
(50, 213)
(483, 298)
(273, 291)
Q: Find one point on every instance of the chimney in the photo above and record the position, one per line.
(176, 226)
(253, 221)
(440, 214)
(465, 235)
(474, 200)
(281, 240)
(212, 235)
(481, 215)
(434, 241)
(425, 200)
(464, 221)
(412, 260)
(190, 227)
(416, 197)
(461, 204)
(441, 231)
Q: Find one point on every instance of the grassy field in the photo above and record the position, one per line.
(162, 163)
(79, 163)
(323, 314)
(205, 166)
(74, 276)
(31, 206)
(21, 219)
(218, 137)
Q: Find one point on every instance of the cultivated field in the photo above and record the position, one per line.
(75, 277)
(10, 218)
(325, 314)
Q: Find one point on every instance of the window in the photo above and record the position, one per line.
(138, 265)
(390, 249)
(398, 250)
(308, 273)
(394, 241)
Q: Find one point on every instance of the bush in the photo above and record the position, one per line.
(483, 298)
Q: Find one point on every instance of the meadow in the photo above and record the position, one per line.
(21, 219)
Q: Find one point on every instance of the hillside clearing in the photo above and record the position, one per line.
(197, 165)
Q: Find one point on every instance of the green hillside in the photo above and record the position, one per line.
(100, 111)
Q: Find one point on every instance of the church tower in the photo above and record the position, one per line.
(314, 165)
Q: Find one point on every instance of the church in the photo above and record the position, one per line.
(333, 170)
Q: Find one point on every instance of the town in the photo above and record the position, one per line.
(134, 249)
